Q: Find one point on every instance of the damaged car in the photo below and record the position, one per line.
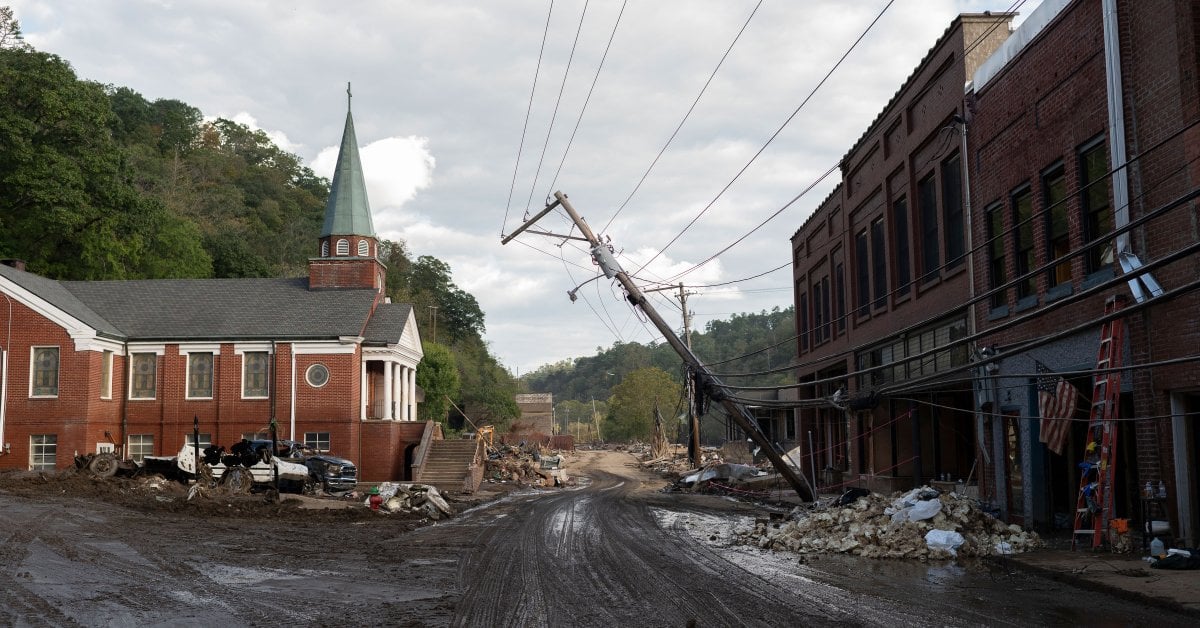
(329, 472)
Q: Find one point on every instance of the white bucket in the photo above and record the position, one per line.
(1158, 527)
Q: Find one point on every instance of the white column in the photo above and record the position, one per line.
(412, 394)
(402, 386)
(387, 391)
(362, 393)
(397, 391)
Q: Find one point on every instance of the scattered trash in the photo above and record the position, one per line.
(875, 526)
(415, 498)
(947, 540)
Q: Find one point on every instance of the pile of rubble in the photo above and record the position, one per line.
(922, 523)
(411, 498)
(526, 466)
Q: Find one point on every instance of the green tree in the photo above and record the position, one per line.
(487, 389)
(631, 408)
(10, 30)
(438, 377)
(71, 205)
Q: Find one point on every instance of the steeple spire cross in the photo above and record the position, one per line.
(348, 95)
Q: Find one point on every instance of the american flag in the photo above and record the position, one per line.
(1057, 400)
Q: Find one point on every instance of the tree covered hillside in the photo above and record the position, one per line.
(745, 343)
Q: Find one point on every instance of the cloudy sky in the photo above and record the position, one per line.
(456, 151)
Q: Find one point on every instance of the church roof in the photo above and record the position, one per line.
(217, 309)
(387, 324)
(347, 212)
(194, 309)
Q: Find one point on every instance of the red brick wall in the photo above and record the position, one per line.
(344, 273)
(383, 445)
(1042, 108)
(78, 399)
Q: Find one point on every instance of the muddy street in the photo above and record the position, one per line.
(614, 551)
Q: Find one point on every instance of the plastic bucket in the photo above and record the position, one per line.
(1120, 526)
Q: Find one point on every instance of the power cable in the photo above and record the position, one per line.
(773, 136)
(521, 146)
(588, 99)
(1019, 417)
(974, 44)
(557, 102)
(679, 126)
(1071, 299)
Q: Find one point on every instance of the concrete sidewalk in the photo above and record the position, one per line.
(1124, 575)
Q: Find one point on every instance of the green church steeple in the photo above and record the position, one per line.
(348, 212)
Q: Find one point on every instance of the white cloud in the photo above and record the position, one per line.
(394, 169)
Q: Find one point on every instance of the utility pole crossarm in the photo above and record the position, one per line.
(612, 269)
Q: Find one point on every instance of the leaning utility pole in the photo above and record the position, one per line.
(603, 257)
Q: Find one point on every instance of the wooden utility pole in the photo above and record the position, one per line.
(604, 258)
(689, 383)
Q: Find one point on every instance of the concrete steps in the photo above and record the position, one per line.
(446, 464)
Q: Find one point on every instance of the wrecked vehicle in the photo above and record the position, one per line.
(330, 473)
(239, 469)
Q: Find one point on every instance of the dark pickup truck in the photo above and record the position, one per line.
(330, 472)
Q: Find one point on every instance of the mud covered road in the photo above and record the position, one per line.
(613, 552)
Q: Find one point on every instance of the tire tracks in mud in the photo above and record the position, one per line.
(596, 557)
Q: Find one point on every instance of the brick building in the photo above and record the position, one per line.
(89, 366)
(881, 279)
(1080, 89)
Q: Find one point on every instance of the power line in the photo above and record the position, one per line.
(1071, 299)
(588, 99)
(973, 45)
(772, 138)
(686, 115)
(521, 146)
(558, 101)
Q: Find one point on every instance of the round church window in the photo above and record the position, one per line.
(317, 375)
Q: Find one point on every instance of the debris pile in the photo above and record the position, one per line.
(526, 466)
(413, 498)
(921, 523)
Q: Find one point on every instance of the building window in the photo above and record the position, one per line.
(200, 376)
(43, 452)
(900, 223)
(205, 439)
(140, 446)
(803, 321)
(317, 440)
(1022, 208)
(862, 273)
(343, 247)
(325, 248)
(1058, 241)
(143, 368)
(819, 309)
(317, 375)
(106, 366)
(364, 249)
(927, 205)
(840, 303)
(254, 374)
(43, 381)
(879, 261)
(1097, 211)
(827, 303)
(995, 247)
(952, 210)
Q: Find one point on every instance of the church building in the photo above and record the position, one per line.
(91, 366)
